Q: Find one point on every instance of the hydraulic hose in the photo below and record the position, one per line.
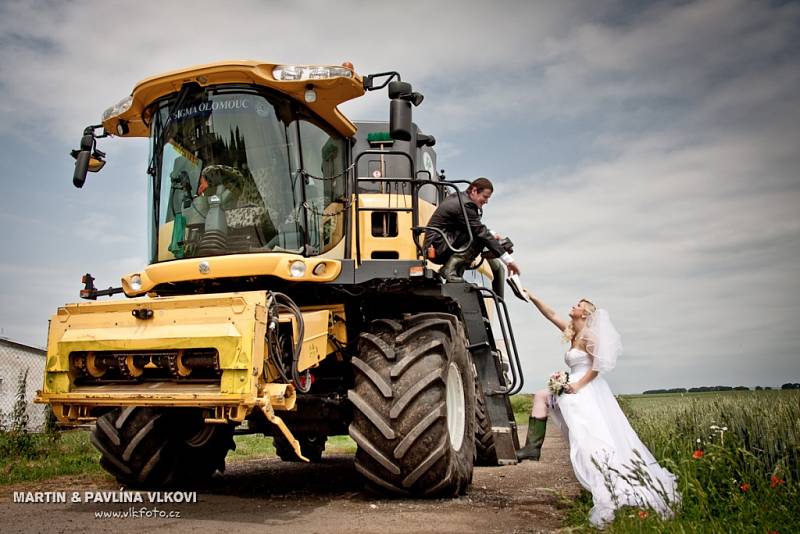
(287, 305)
(274, 343)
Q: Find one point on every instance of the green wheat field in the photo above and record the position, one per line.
(736, 457)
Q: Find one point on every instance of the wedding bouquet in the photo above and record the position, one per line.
(557, 382)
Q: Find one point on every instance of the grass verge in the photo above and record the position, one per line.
(71, 454)
(45, 457)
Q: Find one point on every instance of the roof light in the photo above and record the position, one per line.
(287, 73)
(118, 109)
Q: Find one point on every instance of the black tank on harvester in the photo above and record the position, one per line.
(287, 292)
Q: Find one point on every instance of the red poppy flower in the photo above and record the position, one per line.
(774, 481)
(642, 514)
(697, 454)
(744, 486)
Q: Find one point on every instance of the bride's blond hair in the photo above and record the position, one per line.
(569, 331)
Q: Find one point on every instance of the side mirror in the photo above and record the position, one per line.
(81, 167)
(400, 119)
(402, 96)
(87, 157)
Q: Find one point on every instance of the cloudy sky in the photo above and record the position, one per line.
(645, 154)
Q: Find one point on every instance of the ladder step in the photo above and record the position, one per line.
(504, 445)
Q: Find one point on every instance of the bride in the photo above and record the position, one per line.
(607, 456)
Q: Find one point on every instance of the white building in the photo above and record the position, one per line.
(14, 359)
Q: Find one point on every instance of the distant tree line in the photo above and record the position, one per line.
(717, 388)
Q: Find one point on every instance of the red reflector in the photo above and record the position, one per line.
(302, 380)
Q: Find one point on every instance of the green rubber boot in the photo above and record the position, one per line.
(533, 445)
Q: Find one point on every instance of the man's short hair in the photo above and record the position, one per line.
(479, 184)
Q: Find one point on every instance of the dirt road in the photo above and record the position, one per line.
(267, 495)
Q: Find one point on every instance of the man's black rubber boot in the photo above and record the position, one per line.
(498, 276)
(533, 446)
(453, 269)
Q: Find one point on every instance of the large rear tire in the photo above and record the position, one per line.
(414, 406)
(147, 447)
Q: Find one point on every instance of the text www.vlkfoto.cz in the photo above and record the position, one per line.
(137, 513)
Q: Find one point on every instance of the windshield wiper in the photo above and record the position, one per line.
(160, 140)
(158, 147)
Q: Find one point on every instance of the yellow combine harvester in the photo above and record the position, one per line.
(286, 295)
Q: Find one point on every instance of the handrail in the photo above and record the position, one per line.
(416, 185)
(517, 378)
(415, 210)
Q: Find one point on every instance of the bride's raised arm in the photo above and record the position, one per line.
(548, 312)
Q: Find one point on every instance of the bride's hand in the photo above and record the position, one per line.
(570, 388)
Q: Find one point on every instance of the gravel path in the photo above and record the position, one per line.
(267, 495)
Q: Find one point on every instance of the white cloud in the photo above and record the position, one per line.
(83, 66)
(682, 243)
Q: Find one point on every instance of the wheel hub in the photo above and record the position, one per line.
(456, 413)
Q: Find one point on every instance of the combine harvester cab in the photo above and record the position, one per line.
(287, 293)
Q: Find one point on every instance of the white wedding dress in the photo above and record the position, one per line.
(623, 472)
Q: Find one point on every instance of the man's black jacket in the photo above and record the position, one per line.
(449, 218)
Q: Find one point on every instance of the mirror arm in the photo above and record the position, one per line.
(369, 80)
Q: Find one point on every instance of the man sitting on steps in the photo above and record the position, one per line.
(449, 218)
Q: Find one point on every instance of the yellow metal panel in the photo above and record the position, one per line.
(235, 382)
(145, 336)
(145, 397)
(57, 382)
(403, 243)
(337, 328)
(274, 264)
(232, 323)
(315, 339)
(281, 396)
(426, 209)
(197, 305)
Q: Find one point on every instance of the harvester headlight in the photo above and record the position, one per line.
(119, 108)
(136, 282)
(287, 73)
(297, 269)
(320, 269)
